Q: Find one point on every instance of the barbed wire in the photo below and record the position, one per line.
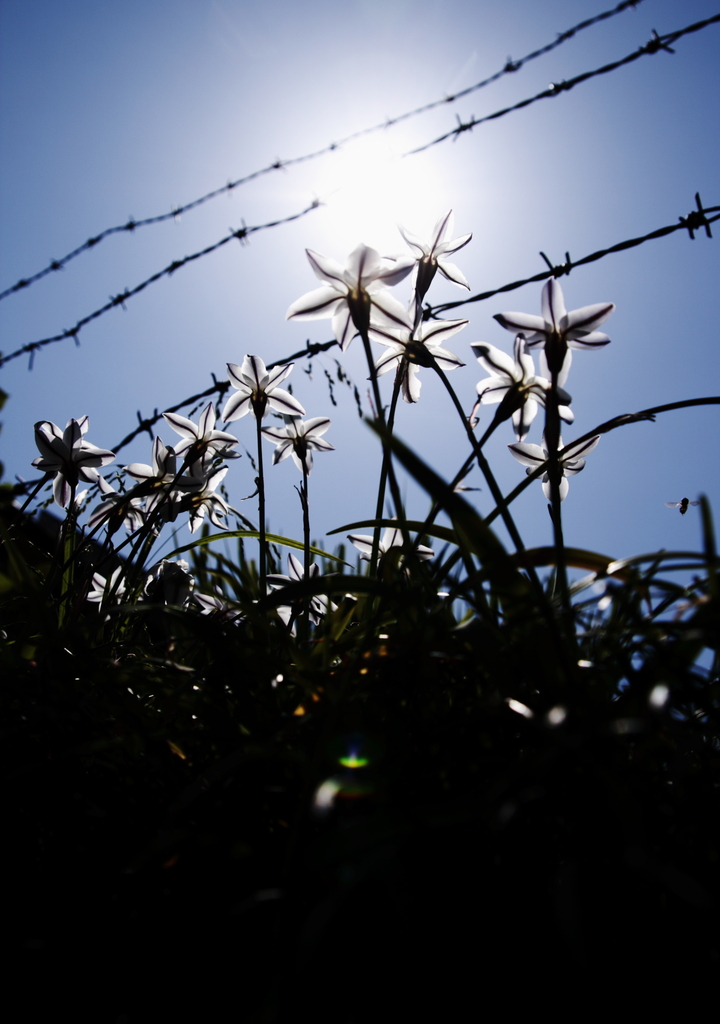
(119, 300)
(653, 46)
(131, 224)
(693, 222)
(695, 219)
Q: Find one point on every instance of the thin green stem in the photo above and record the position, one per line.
(464, 469)
(387, 460)
(386, 464)
(482, 461)
(261, 508)
(555, 474)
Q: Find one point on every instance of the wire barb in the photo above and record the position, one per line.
(697, 219)
(560, 269)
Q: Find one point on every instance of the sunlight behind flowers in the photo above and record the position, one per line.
(370, 188)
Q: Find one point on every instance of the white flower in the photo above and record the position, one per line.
(204, 501)
(557, 330)
(420, 347)
(68, 457)
(430, 256)
(169, 582)
(257, 391)
(353, 294)
(161, 481)
(202, 442)
(117, 509)
(532, 455)
(102, 586)
(218, 607)
(514, 384)
(319, 603)
(300, 439)
(390, 539)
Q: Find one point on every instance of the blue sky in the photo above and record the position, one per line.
(109, 111)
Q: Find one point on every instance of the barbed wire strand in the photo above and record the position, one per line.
(656, 43)
(119, 300)
(131, 224)
(694, 221)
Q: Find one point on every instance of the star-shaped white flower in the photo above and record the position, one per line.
(300, 439)
(169, 582)
(392, 538)
(420, 347)
(204, 501)
(515, 385)
(101, 586)
(430, 255)
(558, 331)
(532, 455)
(202, 442)
(117, 509)
(68, 457)
(319, 603)
(218, 607)
(258, 391)
(353, 294)
(161, 482)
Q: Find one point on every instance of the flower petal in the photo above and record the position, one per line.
(285, 403)
(343, 327)
(453, 273)
(593, 340)
(325, 268)
(237, 406)
(181, 425)
(411, 384)
(553, 304)
(389, 310)
(447, 248)
(534, 326)
(315, 305)
(494, 360)
(440, 329)
(418, 247)
(443, 228)
(445, 359)
(362, 266)
(528, 454)
(395, 271)
(588, 317)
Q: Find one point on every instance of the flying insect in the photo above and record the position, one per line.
(682, 505)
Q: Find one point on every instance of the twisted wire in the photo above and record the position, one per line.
(693, 222)
(131, 224)
(119, 300)
(653, 46)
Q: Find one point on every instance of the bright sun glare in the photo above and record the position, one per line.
(370, 188)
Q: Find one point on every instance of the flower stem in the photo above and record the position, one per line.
(482, 461)
(304, 624)
(261, 509)
(387, 466)
(555, 473)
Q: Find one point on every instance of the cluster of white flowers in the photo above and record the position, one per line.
(514, 382)
(180, 478)
(186, 477)
(358, 299)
